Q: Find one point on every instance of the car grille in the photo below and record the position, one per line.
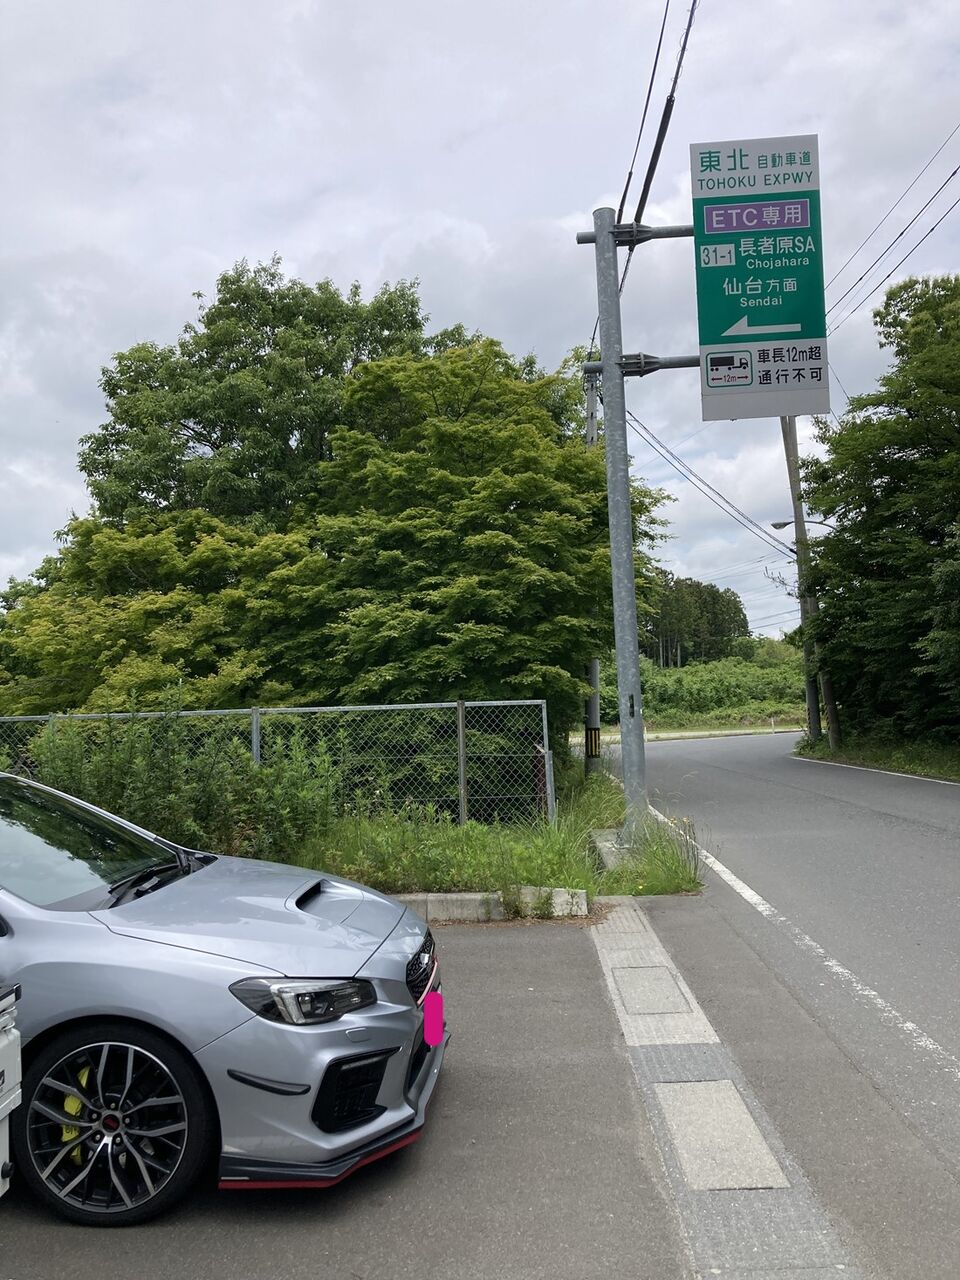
(347, 1096)
(420, 968)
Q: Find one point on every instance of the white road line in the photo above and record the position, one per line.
(864, 768)
(915, 1035)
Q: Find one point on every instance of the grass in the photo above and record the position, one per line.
(664, 859)
(925, 759)
(421, 852)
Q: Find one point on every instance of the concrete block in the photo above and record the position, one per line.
(470, 908)
(717, 1141)
(564, 902)
(415, 901)
(607, 846)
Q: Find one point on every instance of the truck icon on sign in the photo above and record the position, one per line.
(729, 368)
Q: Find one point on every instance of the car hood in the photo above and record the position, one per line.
(296, 922)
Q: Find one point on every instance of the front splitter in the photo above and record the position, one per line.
(237, 1173)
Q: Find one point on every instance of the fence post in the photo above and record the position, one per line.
(551, 788)
(462, 759)
(255, 734)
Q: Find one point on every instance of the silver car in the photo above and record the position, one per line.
(182, 1010)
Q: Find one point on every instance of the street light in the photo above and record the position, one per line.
(782, 524)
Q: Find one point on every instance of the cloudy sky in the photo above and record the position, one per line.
(147, 148)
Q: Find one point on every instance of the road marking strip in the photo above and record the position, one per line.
(634, 964)
(719, 1146)
(866, 768)
(915, 1035)
(744, 1207)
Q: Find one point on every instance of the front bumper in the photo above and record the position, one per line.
(238, 1173)
(279, 1123)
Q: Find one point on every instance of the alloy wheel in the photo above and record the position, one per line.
(106, 1127)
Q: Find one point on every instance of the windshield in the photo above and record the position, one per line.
(53, 851)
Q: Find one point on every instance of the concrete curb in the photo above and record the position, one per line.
(478, 908)
(608, 847)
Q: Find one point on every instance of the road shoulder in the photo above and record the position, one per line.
(746, 1207)
(894, 1200)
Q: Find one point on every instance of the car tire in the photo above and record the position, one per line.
(115, 1124)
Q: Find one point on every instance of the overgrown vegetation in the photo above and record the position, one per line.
(408, 852)
(924, 758)
(764, 682)
(196, 783)
(198, 786)
(664, 859)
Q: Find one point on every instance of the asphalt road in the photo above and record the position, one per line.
(826, 952)
(538, 1162)
(865, 863)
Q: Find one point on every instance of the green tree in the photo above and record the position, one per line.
(444, 535)
(890, 482)
(691, 621)
(233, 417)
(940, 647)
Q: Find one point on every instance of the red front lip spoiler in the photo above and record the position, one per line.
(240, 1184)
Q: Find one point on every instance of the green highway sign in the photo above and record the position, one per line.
(759, 265)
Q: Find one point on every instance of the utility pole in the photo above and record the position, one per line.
(808, 602)
(620, 515)
(591, 726)
(613, 367)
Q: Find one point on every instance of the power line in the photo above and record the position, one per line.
(756, 530)
(728, 568)
(665, 117)
(837, 376)
(781, 613)
(723, 575)
(661, 136)
(903, 194)
(741, 571)
(713, 495)
(685, 468)
(900, 234)
(636, 150)
(758, 571)
(699, 431)
(646, 106)
(773, 618)
(895, 269)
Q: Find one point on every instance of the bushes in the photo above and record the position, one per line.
(729, 691)
(926, 758)
(426, 852)
(194, 782)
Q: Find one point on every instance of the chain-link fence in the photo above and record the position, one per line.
(486, 761)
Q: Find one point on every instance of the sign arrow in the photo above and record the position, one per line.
(743, 326)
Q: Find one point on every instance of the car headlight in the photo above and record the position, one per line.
(304, 1001)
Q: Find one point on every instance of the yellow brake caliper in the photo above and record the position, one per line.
(73, 1106)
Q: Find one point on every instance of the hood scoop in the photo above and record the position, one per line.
(309, 897)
